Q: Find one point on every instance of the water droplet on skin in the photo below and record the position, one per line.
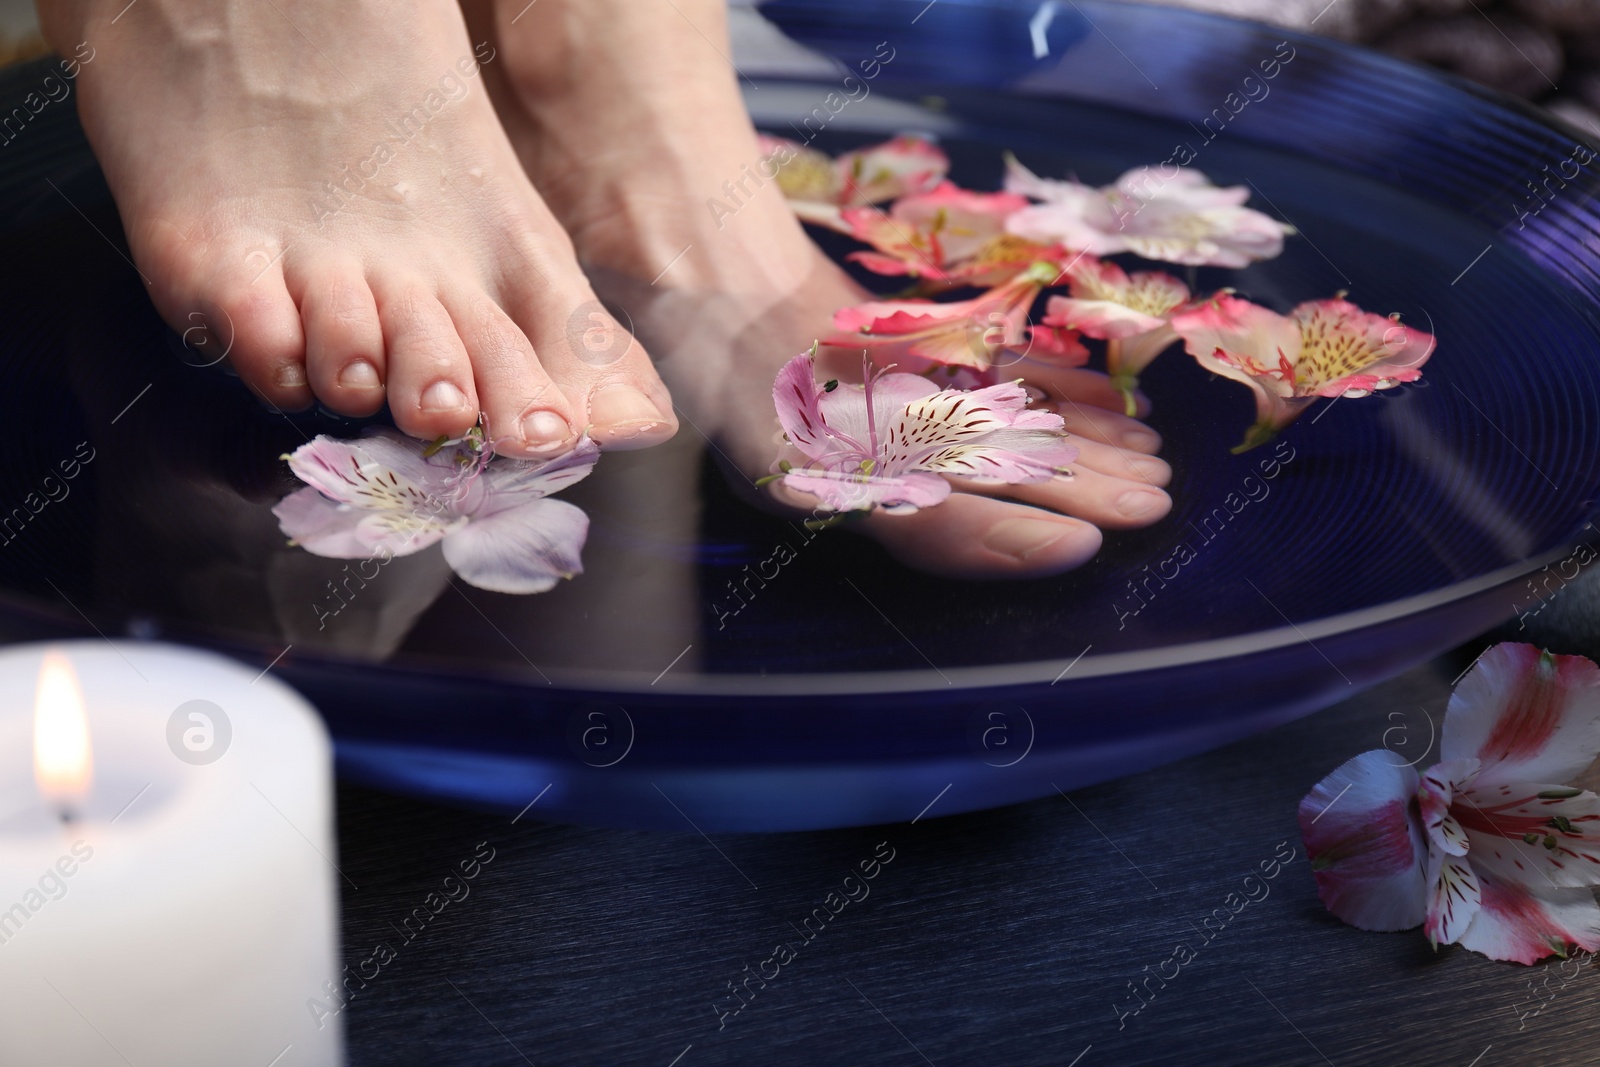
(476, 173)
(402, 190)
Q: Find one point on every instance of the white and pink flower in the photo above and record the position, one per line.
(388, 495)
(889, 442)
(1178, 219)
(1131, 313)
(818, 188)
(948, 236)
(1323, 348)
(959, 333)
(1489, 849)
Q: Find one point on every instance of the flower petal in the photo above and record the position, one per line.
(987, 435)
(508, 483)
(384, 470)
(1527, 715)
(1073, 214)
(1533, 834)
(343, 531)
(844, 410)
(844, 491)
(1453, 897)
(901, 166)
(1057, 346)
(1366, 844)
(796, 395)
(956, 333)
(1180, 218)
(1522, 925)
(1103, 319)
(1241, 340)
(523, 549)
(1345, 348)
(1439, 787)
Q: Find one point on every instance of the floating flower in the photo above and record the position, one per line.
(818, 187)
(887, 442)
(1182, 219)
(1477, 851)
(959, 333)
(389, 495)
(1129, 312)
(949, 235)
(1321, 348)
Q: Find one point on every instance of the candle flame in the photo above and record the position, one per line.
(63, 764)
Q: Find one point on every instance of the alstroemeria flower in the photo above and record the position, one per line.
(961, 333)
(887, 442)
(1129, 312)
(1183, 219)
(951, 236)
(818, 187)
(1479, 850)
(390, 495)
(1321, 348)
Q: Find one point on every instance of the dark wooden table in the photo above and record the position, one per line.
(1007, 937)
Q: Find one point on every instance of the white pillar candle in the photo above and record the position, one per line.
(184, 913)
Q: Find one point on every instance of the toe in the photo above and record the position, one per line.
(344, 341)
(1106, 501)
(267, 343)
(524, 411)
(1087, 422)
(1121, 463)
(1083, 388)
(604, 370)
(976, 537)
(430, 380)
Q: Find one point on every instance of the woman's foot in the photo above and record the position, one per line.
(324, 187)
(631, 123)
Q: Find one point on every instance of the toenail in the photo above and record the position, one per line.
(623, 407)
(1021, 538)
(1149, 468)
(1136, 504)
(545, 430)
(443, 396)
(1141, 440)
(358, 374)
(291, 375)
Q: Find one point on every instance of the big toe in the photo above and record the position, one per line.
(606, 374)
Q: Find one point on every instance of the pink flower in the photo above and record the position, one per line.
(1477, 850)
(818, 187)
(1321, 348)
(1129, 312)
(1178, 219)
(960, 333)
(950, 236)
(385, 495)
(887, 442)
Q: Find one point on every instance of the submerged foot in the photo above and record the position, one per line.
(325, 187)
(630, 168)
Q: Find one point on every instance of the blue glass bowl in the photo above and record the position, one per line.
(849, 690)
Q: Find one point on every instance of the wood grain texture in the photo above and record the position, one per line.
(1004, 937)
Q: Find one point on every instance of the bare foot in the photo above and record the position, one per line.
(590, 90)
(325, 185)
